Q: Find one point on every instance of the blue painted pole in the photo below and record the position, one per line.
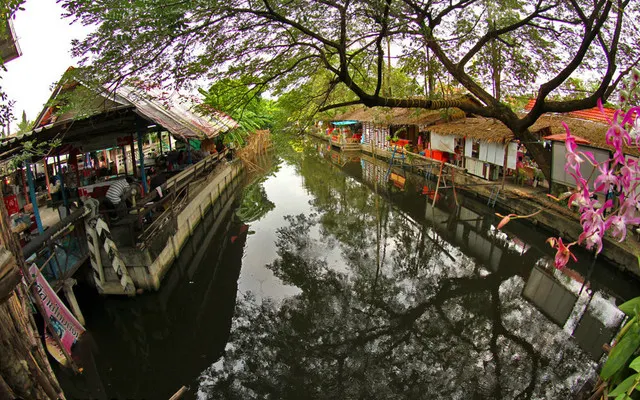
(34, 200)
(143, 174)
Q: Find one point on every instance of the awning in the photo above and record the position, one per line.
(347, 122)
(561, 137)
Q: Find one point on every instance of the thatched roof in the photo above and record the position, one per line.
(399, 116)
(492, 130)
(485, 129)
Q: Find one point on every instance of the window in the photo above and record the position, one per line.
(475, 149)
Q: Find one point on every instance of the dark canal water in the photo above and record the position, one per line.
(323, 282)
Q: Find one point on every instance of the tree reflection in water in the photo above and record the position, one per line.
(408, 315)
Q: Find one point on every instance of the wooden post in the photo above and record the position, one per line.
(124, 160)
(143, 174)
(46, 178)
(177, 395)
(34, 200)
(71, 297)
(504, 164)
(65, 201)
(435, 195)
(160, 139)
(133, 158)
(25, 188)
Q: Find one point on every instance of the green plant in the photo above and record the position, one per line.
(621, 373)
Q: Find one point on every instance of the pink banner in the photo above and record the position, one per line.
(59, 318)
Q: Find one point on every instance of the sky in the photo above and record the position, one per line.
(45, 40)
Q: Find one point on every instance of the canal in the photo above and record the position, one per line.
(320, 280)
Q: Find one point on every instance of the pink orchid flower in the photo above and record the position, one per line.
(562, 255)
(605, 178)
(573, 159)
(580, 198)
(591, 239)
(627, 215)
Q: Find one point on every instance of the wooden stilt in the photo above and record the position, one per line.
(133, 158)
(504, 164)
(46, 178)
(435, 195)
(453, 185)
(177, 395)
(71, 297)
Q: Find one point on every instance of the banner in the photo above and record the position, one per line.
(58, 317)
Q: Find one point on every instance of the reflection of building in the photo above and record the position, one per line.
(373, 172)
(550, 296)
(577, 311)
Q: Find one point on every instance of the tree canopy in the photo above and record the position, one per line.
(488, 47)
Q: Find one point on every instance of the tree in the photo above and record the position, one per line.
(242, 102)
(24, 125)
(282, 44)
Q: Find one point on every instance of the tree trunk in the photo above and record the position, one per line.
(25, 371)
(430, 76)
(536, 151)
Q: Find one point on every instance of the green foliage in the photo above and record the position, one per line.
(622, 352)
(243, 102)
(617, 372)
(255, 203)
(624, 386)
(630, 307)
(24, 125)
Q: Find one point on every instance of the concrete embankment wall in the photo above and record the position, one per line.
(187, 220)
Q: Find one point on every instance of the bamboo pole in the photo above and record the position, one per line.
(177, 395)
(504, 164)
(435, 195)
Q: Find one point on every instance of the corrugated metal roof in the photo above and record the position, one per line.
(9, 47)
(176, 113)
(173, 112)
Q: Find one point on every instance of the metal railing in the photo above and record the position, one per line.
(177, 196)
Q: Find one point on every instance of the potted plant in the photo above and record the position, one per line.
(538, 177)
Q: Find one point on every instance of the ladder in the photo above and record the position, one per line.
(392, 160)
(493, 197)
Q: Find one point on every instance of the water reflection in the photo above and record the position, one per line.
(149, 346)
(395, 298)
(324, 281)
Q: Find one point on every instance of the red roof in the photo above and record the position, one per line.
(590, 114)
(561, 137)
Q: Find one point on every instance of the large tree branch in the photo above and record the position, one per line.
(384, 23)
(496, 33)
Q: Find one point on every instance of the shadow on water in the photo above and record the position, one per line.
(151, 345)
(338, 285)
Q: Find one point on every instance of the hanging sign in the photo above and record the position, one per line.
(59, 318)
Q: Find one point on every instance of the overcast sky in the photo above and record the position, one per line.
(45, 40)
